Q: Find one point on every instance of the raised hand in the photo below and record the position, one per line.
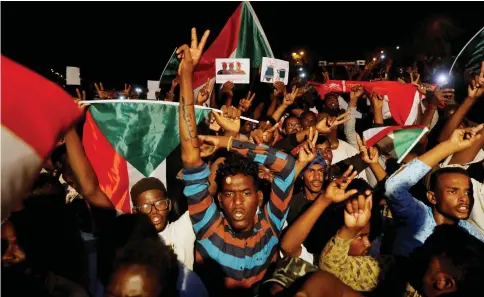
(209, 145)
(356, 92)
(261, 136)
(376, 100)
(464, 138)
(279, 89)
(325, 76)
(290, 97)
(327, 125)
(227, 88)
(369, 155)
(414, 78)
(205, 92)
(245, 103)
(101, 93)
(229, 120)
(82, 106)
(335, 192)
(127, 90)
(307, 150)
(476, 87)
(358, 211)
(195, 50)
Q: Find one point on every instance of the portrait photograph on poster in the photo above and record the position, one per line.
(234, 70)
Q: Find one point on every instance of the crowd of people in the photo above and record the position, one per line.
(295, 205)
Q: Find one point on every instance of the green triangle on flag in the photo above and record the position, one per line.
(395, 141)
(144, 133)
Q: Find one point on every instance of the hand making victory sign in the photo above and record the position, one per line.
(196, 49)
(189, 58)
(327, 125)
(307, 150)
(245, 103)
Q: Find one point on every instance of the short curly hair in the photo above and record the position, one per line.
(235, 164)
(156, 257)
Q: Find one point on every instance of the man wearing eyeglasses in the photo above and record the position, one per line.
(149, 197)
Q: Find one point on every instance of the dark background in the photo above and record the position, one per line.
(116, 42)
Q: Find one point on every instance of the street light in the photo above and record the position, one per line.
(301, 53)
(294, 54)
(303, 74)
(381, 52)
(374, 59)
(398, 47)
(382, 57)
(300, 69)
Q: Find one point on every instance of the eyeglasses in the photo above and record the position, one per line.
(148, 207)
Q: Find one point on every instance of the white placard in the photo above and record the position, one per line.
(234, 70)
(153, 87)
(73, 76)
(274, 70)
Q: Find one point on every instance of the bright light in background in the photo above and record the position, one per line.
(303, 74)
(294, 54)
(382, 57)
(374, 59)
(398, 47)
(300, 69)
(442, 78)
(381, 52)
(122, 97)
(138, 90)
(301, 53)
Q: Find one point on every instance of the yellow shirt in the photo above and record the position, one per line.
(361, 273)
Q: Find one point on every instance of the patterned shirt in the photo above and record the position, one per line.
(416, 220)
(241, 260)
(361, 273)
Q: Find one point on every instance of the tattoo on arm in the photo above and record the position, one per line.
(190, 122)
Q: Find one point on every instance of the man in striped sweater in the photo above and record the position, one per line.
(235, 245)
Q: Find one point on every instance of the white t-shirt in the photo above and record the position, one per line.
(345, 151)
(181, 237)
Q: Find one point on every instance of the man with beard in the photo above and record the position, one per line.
(450, 194)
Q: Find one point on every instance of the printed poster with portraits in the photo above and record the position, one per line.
(234, 70)
(274, 70)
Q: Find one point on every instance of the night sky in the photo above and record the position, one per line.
(116, 42)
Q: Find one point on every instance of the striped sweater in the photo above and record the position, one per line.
(241, 261)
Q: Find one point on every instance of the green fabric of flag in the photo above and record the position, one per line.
(143, 133)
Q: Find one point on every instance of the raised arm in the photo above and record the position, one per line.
(475, 91)
(369, 155)
(286, 102)
(397, 186)
(189, 57)
(85, 173)
(349, 127)
(297, 233)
